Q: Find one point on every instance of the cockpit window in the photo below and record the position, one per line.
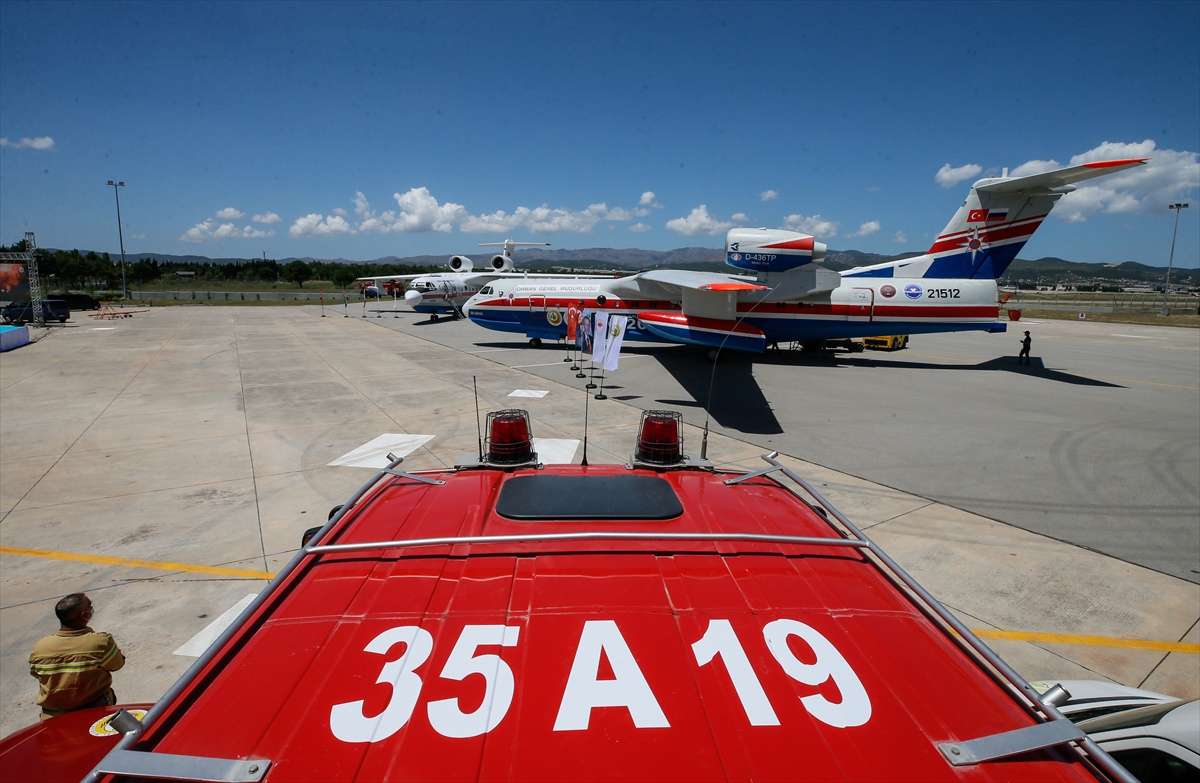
(423, 285)
(487, 290)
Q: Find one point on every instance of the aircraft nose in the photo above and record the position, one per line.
(412, 298)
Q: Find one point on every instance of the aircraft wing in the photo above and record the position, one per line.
(519, 273)
(1062, 177)
(396, 277)
(701, 281)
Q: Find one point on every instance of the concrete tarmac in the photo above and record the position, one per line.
(1096, 442)
(202, 436)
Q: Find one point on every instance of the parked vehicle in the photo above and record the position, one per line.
(893, 342)
(79, 301)
(1089, 699)
(1157, 744)
(21, 313)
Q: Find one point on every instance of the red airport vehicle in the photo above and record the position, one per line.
(656, 620)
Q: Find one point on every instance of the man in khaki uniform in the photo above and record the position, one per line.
(74, 665)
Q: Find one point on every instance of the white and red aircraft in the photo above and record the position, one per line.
(950, 288)
(446, 292)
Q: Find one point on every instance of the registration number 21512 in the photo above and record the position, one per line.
(584, 690)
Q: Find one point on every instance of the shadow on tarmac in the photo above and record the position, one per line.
(737, 402)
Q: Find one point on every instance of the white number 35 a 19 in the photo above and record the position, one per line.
(349, 724)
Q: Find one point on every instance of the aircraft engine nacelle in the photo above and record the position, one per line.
(461, 264)
(770, 250)
(501, 263)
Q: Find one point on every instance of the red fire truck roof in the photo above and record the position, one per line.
(600, 622)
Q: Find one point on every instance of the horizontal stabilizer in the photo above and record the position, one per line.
(1059, 178)
(713, 332)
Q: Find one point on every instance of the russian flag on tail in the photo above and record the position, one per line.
(987, 215)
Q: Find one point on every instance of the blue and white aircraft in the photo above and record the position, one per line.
(952, 287)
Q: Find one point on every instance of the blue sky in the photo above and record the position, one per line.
(362, 130)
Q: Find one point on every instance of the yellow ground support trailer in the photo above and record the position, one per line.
(895, 342)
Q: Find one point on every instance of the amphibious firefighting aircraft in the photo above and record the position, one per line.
(445, 292)
(950, 288)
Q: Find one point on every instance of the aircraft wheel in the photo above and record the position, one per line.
(712, 354)
(535, 342)
(433, 316)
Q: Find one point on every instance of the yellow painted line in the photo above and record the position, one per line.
(134, 563)
(982, 633)
(1091, 641)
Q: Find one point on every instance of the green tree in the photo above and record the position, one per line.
(297, 271)
(343, 276)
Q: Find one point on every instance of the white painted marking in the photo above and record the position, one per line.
(102, 329)
(373, 454)
(1134, 336)
(547, 364)
(494, 350)
(529, 393)
(196, 646)
(555, 451)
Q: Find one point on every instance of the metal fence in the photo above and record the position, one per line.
(1100, 302)
(247, 296)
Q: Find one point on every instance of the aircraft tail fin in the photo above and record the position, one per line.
(998, 218)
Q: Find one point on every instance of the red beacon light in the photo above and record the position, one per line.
(660, 439)
(510, 438)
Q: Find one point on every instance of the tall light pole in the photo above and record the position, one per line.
(1167, 287)
(121, 236)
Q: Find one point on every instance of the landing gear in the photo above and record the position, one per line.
(433, 316)
(535, 342)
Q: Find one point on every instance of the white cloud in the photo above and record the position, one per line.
(340, 211)
(769, 195)
(616, 213)
(268, 218)
(1029, 168)
(698, 223)
(211, 231)
(639, 228)
(315, 225)
(900, 238)
(419, 212)
(948, 177)
(647, 200)
(541, 220)
(39, 143)
(740, 217)
(1169, 177)
(229, 213)
(867, 229)
(816, 225)
(137, 236)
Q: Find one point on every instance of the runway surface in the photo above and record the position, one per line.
(1096, 443)
(167, 464)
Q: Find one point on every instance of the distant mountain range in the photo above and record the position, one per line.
(1048, 270)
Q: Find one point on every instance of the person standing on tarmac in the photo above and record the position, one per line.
(74, 665)
(1025, 349)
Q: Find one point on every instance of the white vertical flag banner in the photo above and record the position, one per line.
(616, 335)
(600, 336)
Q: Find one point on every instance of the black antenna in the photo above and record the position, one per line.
(586, 397)
(713, 376)
(478, 428)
